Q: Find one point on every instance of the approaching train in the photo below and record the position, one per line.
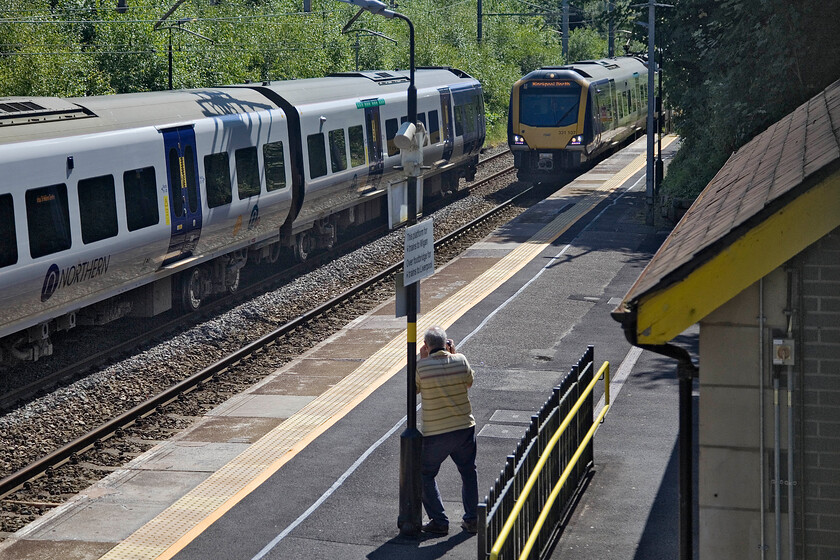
(127, 204)
(561, 117)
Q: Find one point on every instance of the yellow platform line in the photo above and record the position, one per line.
(178, 525)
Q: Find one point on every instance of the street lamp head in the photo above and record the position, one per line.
(405, 136)
(373, 6)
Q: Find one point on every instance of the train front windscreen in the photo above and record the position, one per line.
(549, 103)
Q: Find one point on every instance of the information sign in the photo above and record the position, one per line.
(419, 252)
(368, 103)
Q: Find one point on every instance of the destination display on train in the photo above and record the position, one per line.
(552, 83)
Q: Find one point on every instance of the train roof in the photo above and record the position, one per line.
(358, 84)
(35, 118)
(594, 70)
(53, 117)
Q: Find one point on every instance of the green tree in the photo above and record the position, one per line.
(734, 67)
(586, 44)
(88, 47)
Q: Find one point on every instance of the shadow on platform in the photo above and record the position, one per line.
(418, 548)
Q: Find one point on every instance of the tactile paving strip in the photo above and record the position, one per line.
(162, 537)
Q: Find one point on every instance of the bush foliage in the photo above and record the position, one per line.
(88, 47)
(731, 67)
(734, 67)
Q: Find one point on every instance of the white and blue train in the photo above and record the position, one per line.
(123, 204)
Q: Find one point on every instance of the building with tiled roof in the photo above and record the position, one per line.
(756, 262)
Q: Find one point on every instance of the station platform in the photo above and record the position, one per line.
(306, 463)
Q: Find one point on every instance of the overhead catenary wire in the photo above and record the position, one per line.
(123, 21)
(160, 51)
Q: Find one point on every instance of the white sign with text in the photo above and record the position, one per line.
(419, 252)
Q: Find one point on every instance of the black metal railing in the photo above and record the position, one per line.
(528, 503)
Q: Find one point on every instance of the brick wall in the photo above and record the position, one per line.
(821, 354)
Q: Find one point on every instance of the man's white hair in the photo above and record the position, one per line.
(435, 337)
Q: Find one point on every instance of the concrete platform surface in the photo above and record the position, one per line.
(306, 463)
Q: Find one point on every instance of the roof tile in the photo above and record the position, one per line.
(766, 168)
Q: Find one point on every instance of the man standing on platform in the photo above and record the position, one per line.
(448, 427)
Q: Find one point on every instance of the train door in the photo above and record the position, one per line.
(597, 119)
(469, 121)
(376, 161)
(184, 195)
(446, 122)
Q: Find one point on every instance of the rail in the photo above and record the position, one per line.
(64, 375)
(66, 453)
(526, 507)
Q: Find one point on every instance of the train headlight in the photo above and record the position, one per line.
(577, 140)
(518, 140)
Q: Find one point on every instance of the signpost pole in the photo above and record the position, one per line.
(419, 263)
(411, 440)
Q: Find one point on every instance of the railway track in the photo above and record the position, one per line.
(173, 321)
(14, 487)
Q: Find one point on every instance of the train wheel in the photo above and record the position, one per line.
(191, 290)
(274, 252)
(303, 246)
(231, 289)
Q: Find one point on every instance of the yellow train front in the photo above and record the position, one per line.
(562, 117)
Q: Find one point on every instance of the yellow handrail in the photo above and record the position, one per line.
(526, 490)
(535, 532)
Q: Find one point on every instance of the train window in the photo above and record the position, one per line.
(338, 150)
(421, 117)
(189, 173)
(8, 237)
(549, 106)
(357, 146)
(317, 155)
(618, 105)
(275, 166)
(48, 220)
(434, 127)
(247, 172)
(97, 208)
(446, 120)
(604, 105)
(141, 206)
(469, 117)
(391, 128)
(175, 175)
(217, 174)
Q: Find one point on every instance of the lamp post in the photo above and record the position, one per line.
(650, 172)
(411, 440)
(660, 166)
(649, 169)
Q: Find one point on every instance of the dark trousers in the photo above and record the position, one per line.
(460, 445)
